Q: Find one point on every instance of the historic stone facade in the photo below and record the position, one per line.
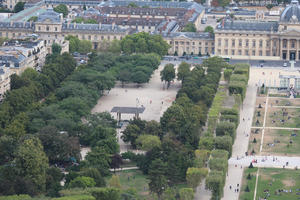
(261, 40)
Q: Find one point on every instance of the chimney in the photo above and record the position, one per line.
(100, 25)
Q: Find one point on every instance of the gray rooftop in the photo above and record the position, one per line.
(248, 26)
(128, 110)
(51, 15)
(92, 27)
(192, 35)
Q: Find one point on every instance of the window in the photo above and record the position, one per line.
(293, 44)
(219, 51)
(193, 43)
(240, 43)
(39, 28)
(268, 43)
(170, 42)
(260, 43)
(226, 51)
(267, 53)
(200, 50)
(284, 43)
(206, 49)
(253, 52)
(55, 28)
(253, 43)
(206, 43)
(226, 43)
(219, 42)
(102, 37)
(187, 43)
(176, 42)
(89, 37)
(233, 42)
(247, 43)
(47, 28)
(232, 52)
(14, 35)
(247, 52)
(199, 43)
(240, 52)
(260, 53)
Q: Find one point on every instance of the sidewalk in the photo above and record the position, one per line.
(240, 145)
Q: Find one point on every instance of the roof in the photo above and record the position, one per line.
(128, 110)
(291, 13)
(192, 35)
(51, 15)
(248, 26)
(92, 27)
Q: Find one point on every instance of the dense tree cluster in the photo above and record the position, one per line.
(178, 158)
(144, 43)
(62, 8)
(80, 46)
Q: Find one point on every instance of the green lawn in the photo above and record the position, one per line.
(134, 179)
(276, 115)
(275, 179)
(251, 184)
(284, 147)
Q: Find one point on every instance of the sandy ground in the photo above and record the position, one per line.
(153, 96)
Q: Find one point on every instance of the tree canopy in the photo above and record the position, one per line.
(61, 8)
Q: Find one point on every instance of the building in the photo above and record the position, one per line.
(259, 40)
(190, 43)
(19, 55)
(51, 28)
(5, 74)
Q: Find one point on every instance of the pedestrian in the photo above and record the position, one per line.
(234, 190)
(243, 119)
(241, 167)
(237, 185)
(230, 187)
(237, 190)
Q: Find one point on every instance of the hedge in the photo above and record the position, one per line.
(218, 153)
(239, 77)
(76, 197)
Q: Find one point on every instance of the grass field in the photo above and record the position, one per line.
(250, 183)
(256, 116)
(284, 102)
(272, 180)
(277, 142)
(275, 117)
(252, 145)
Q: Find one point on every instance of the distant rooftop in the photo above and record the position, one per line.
(196, 35)
(248, 26)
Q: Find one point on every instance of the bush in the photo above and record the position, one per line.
(217, 153)
(82, 182)
(16, 197)
(226, 128)
(227, 74)
(219, 164)
(106, 193)
(76, 197)
(224, 142)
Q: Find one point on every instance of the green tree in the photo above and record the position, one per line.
(131, 133)
(183, 71)
(33, 18)
(186, 194)
(19, 6)
(226, 128)
(132, 5)
(114, 182)
(99, 159)
(269, 6)
(32, 163)
(56, 48)
(158, 182)
(194, 176)
(95, 174)
(209, 29)
(168, 74)
(73, 43)
(190, 27)
(106, 193)
(115, 46)
(139, 77)
(62, 8)
(148, 142)
(85, 46)
(82, 182)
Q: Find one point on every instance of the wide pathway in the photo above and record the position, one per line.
(240, 146)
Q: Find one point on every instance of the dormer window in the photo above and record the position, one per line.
(47, 28)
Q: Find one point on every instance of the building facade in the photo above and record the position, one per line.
(5, 74)
(190, 43)
(261, 40)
